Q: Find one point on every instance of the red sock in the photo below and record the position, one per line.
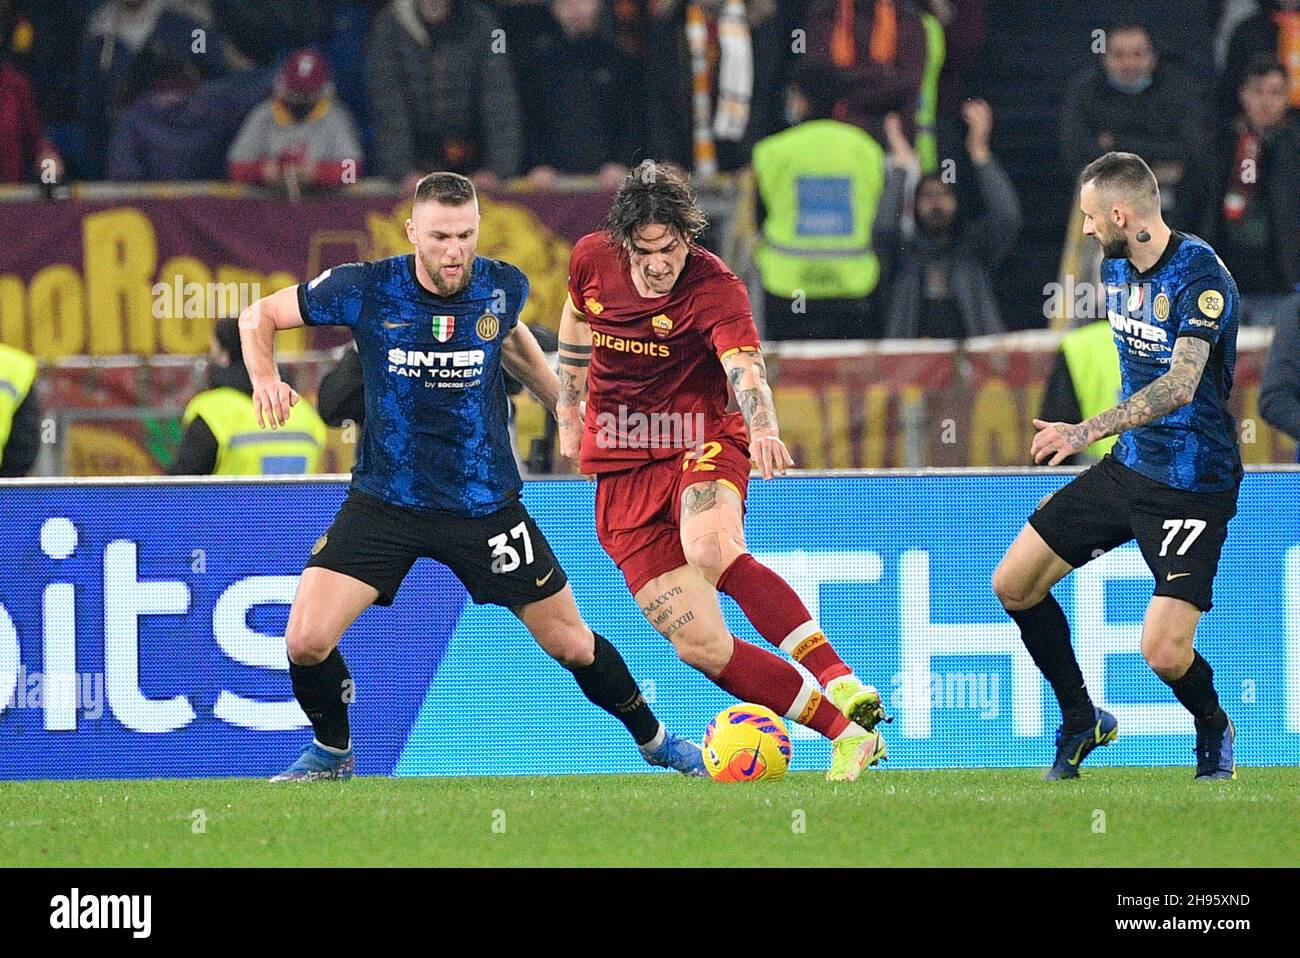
(756, 675)
(780, 616)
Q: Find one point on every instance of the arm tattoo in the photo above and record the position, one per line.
(570, 391)
(1171, 391)
(756, 403)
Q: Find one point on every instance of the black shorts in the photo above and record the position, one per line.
(1180, 533)
(502, 558)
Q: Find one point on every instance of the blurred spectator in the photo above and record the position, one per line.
(578, 113)
(963, 36)
(116, 34)
(819, 184)
(178, 126)
(712, 82)
(20, 413)
(1273, 31)
(26, 153)
(1245, 198)
(1132, 102)
(342, 395)
(524, 22)
(441, 97)
(263, 31)
(941, 285)
(1279, 391)
(885, 47)
(1085, 380)
(222, 436)
(926, 117)
(629, 23)
(42, 38)
(300, 138)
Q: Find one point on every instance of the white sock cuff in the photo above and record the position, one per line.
(801, 701)
(791, 641)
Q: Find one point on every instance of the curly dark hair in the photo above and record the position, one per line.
(654, 193)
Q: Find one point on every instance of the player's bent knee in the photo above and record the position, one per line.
(1014, 591)
(1169, 656)
(308, 645)
(1169, 662)
(706, 556)
(574, 648)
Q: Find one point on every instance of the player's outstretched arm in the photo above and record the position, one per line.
(272, 398)
(1057, 440)
(575, 357)
(747, 373)
(523, 358)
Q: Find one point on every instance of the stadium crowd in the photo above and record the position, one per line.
(312, 94)
(856, 127)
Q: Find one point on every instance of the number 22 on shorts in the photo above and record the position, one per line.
(701, 458)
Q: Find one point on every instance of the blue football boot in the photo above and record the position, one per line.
(1074, 748)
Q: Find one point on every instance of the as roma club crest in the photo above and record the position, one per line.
(487, 327)
(662, 325)
(443, 328)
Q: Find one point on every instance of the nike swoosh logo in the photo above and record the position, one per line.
(388, 325)
(1175, 575)
(546, 578)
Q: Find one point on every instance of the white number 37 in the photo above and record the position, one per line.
(1194, 528)
(505, 558)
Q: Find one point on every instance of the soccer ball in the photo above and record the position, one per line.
(746, 743)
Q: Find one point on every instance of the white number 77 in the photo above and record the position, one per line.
(1194, 528)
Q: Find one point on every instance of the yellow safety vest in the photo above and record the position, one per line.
(927, 107)
(820, 182)
(17, 373)
(244, 449)
(1093, 361)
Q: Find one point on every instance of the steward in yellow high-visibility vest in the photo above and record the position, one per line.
(20, 415)
(819, 184)
(927, 107)
(1085, 381)
(222, 436)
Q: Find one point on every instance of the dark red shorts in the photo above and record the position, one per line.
(638, 509)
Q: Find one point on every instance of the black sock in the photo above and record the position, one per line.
(324, 691)
(1195, 690)
(608, 684)
(1046, 634)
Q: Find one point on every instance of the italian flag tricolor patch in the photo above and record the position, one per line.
(443, 327)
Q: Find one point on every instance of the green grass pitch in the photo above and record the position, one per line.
(1110, 817)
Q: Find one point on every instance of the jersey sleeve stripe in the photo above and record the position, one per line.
(739, 349)
(303, 310)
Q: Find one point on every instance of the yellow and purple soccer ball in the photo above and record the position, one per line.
(746, 743)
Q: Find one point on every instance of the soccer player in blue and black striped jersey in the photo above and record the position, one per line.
(1171, 480)
(435, 475)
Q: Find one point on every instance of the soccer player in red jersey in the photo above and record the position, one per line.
(654, 328)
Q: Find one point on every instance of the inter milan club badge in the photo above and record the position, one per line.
(443, 327)
(1162, 307)
(488, 327)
